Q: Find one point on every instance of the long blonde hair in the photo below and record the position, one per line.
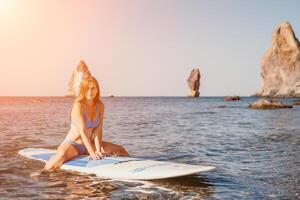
(84, 86)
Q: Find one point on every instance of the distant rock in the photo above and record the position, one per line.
(78, 74)
(232, 98)
(280, 68)
(268, 104)
(37, 100)
(194, 83)
(296, 102)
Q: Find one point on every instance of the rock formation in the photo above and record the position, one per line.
(281, 65)
(296, 102)
(268, 104)
(78, 74)
(194, 83)
(232, 98)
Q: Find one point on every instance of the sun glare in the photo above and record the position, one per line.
(6, 6)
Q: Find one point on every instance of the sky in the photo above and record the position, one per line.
(138, 47)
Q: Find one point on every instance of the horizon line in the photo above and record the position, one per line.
(114, 96)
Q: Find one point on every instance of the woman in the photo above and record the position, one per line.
(85, 135)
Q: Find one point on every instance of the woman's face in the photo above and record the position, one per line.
(92, 91)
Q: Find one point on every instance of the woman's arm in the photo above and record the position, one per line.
(98, 130)
(80, 123)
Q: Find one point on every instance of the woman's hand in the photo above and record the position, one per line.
(100, 153)
(96, 155)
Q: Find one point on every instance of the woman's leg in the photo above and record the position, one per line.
(64, 153)
(114, 149)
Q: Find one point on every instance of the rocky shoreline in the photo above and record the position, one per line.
(269, 104)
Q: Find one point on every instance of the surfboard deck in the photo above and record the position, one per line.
(129, 168)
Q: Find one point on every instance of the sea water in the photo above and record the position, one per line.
(256, 152)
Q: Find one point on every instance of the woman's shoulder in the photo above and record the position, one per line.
(77, 104)
(77, 107)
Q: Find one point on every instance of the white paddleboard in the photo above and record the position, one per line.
(120, 167)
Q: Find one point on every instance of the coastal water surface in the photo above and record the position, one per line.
(256, 152)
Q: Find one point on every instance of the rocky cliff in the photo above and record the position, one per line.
(78, 74)
(280, 68)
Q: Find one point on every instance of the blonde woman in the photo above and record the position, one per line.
(85, 134)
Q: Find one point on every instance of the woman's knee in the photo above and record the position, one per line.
(124, 152)
(120, 150)
(114, 149)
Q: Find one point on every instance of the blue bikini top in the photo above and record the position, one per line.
(88, 123)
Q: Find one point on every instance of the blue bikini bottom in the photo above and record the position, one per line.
(80, 147)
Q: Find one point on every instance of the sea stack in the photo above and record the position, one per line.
(280, 68)
(78, 74)
(194, 83)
